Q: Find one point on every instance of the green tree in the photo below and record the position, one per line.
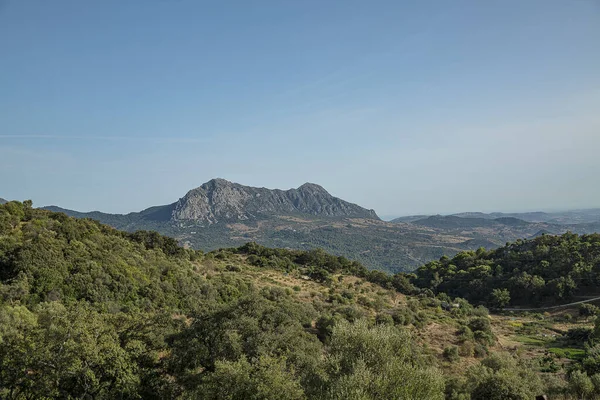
(266, 379)
(379, 362)
(502, 377)
(580, 384)
(500, 298)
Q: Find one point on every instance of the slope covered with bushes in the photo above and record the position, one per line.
(543, 271)
(87, 311)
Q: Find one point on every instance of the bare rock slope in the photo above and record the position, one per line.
(221, 200)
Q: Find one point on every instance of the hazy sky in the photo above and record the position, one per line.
(401, 106)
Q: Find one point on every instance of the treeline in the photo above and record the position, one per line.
(542, 271)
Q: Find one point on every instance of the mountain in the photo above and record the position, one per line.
(219, 200)
(2, 201)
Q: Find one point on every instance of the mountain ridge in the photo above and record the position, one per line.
(590, 215)
(219, 200)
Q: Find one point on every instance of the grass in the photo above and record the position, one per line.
(571, 353)
(529, 340)
(568, 352)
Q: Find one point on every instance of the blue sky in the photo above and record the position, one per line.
(401, 106)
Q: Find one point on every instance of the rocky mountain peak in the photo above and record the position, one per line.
(220, 200)
(313, 188)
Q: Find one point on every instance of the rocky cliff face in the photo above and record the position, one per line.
(221, 200)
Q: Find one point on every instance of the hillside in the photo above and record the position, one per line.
(545, 270)
(91, 312)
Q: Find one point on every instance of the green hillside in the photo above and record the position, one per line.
(546, 270)
(87, 311)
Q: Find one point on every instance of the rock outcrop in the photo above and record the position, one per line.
(221, 200)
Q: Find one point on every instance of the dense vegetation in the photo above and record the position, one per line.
(87, 311)
(545, 270)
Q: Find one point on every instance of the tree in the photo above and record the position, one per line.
(500, 298)
(502, 377)
(379, 362)
(65, 353)
(267, 379)
(501, 387)
(580, 384)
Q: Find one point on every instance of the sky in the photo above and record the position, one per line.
(406, 107)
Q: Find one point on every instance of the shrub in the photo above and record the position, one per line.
(588, 310)
(384, 319)
(451, 353)
(466, 349)
(480, 350)
(480, 324)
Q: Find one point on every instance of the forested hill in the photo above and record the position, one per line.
(542, 271)
(87, 311)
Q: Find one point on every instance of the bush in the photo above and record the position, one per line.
(451, 353)
(384, 319)
(484, 337)
(403, 316)
(588, 310)
(480, 311)
(233, 268)
(578, 335)
(466, 349)
(480, 350)
(465, 333)
(480, 324)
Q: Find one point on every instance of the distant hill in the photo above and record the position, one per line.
(454, 222)
(537, 216)
(2, 201)
(560, 218)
